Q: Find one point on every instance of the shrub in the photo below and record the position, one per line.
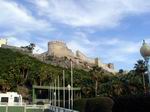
(132, 104)
(80, 105)
(99, 104)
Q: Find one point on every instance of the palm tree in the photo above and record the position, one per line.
(96, 73)
(140, 69)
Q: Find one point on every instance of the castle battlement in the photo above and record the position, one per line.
(60, 49)
(56, 42)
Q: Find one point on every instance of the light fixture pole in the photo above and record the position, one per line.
(148, 67)
(69, 87)
(145, 52)
(64, 89)
(50, 95)
(55, 95)
(58, 93)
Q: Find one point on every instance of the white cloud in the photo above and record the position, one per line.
(80, 42)
(17, 19)
(40, 47)
(114, 51)
(17, 42)
(99, 13)
(19, 25)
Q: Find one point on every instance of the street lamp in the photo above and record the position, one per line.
(71, 84)
(145, 52)
(54, 98)
(58, 93)
(55, 93)
(69, 87)
(63, 88)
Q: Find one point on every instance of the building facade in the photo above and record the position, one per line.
(3, 41)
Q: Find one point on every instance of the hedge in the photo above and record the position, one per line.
(132, 104)
(98, 104)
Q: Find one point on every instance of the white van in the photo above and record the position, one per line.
(10, 98)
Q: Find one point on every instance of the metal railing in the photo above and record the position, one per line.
(4, 107)
(23, 108)
(60, 109)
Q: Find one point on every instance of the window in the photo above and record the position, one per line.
(4, 99)
(16, 99)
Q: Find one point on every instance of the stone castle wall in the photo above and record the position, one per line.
(15, 48)
(59, 49)
(83, 57)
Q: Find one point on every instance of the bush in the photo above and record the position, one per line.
(99, 104)
(132, 104)
(80, 105)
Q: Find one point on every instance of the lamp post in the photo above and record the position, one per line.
(55, 93)
(55, 98)
(69, 87)
(145, 52)
(50, 100)
(63, 88)
(58, 93)
(52, 95)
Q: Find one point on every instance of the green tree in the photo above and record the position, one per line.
(29, 47)
(140, 70)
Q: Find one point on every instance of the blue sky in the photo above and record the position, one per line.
(112, 30)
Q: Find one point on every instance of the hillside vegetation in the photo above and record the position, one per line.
(18, 72)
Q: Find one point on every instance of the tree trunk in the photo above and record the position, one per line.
(96, 84)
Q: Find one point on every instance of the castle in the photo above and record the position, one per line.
(60, 49)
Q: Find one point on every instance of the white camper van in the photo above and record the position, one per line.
(10, 98)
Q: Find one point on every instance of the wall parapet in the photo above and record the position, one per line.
(60, 49)
(83, 57)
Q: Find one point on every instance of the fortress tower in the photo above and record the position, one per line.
(58, 49)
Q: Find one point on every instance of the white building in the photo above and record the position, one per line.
(3, 41)
(10, 98)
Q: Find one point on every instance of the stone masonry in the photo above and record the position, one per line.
(60, 49)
